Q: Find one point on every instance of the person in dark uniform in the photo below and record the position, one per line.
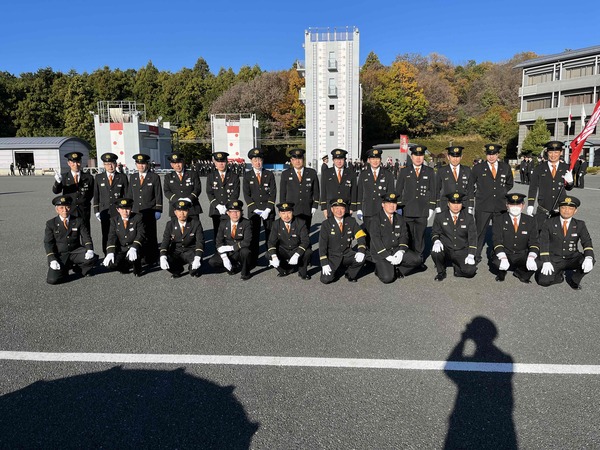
(454, 177)
(183, 242)
(389, 243)
(372, 183)
(233, 241)
(77, 185)
(530, 167)
(12, 169)
(125, 239)
(325, 164)
(515, 237)
(108, 187)
(416, 192)
(300, 185)
(338, 182)
(454, 238)
(338, 233)
(491, 180)
(145, 189)
(559, 240)
(182, 183)
(68, 243)
(222, 186)
(260, 193)
(289, 243)
(549, 182)
(579, 171)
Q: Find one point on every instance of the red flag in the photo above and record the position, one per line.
(577, 143)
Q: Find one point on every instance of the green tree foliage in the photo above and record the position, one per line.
(8, 104)
(79, 101)
(537, 137)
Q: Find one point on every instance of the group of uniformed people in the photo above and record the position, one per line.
(394, 212)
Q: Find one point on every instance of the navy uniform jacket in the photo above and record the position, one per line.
(105, 194)
(417, 194)
(296, 241)
(59, 240)
(147, 195)
(260, 195)
(334, 243)
(369, 191)
(331, 189)
(220, 192)
(524, 240)
(490, 192)
(82, 193)
(545, 187)
(243, 234)
(388, 238)
(305, 195)
(461, 236)
(189, 187)
(121, 239)
(446, 184)
(175, 242)
(554, 245)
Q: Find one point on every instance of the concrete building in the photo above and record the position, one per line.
(235, 134)
(554, 85)
(332, 92)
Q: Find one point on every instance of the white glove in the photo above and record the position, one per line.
(164, 265)
(89, 254)
(58, 178)
(470, 260)
(504, 262)
(186, 199)
(132, 254)
(256, 211)
(265, 214)
(531, 264)
(110, 259)
(547, 268)
(326, 270)
(294, 259)
(391, 259)
(399, 255)
(359, 215)
(156, 215)
(438, 210)
(312, 211)
(568, 177)
(470, 210)
(222, 209)
(437, 246)
(588, 264)
(226, 263)
(225, 248)
(98, 216)
(274, 261)
(431, 213)
(359, 257)
(529, 210)
(196, 263)
(54, 265)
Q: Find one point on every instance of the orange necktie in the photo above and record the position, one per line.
(553, 170)
(110, 177)
(287, 227)
(299, 172)
(182, 228)
(454, 218)
(565, 228)
(125, 222)
(258, 177)
(141, 180)
(222, 178)
(233, 230)
(391, 217)
(417, 170)
(455, 173)
(494, 171)
(515, 224)
(66, 224)
(76, 178)
(180, 176)
(339, 175)
(341, 225)
(375, 175)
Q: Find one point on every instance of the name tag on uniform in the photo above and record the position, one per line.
(102, 184)
(444, 223)
(502, 175)
(290, 178)
(396, 226)
(170, 181)
(149, 184)
(523, 232)
(574, 234)
(333, 232)
(74, 229)
(425, 177)
(463, 226)
(192, 234)
(308, 179)
(252, 182)
(294, 235)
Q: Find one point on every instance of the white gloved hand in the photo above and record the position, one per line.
(504, 264)
(196, 263)
(359, 257)
(225, 248)
(265, 214)
(226, 263)
(588, 264)
(399, 255)
(294, 259)
(531, 264)
(359, 214)
(431, 213)
(470, 210)
(326, 270)
(391, 259)
(131, 254)
(187, 199)
(312, 211)
(470, 260)
(108, 260)
(58, 178)
(89, 254)
(274, 261)
(222, 209)
(256, 211)
(438, 210)
(547, 268)
(164, 265)
(98, 216)
(529, 211)
(54, 265)
(568, 177)
(437, 246)
(156, 215)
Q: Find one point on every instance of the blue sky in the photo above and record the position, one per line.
(85, 35)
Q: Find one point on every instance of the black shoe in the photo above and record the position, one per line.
(440, 276)
(305, 277)
(351, 280)
(285, 273)
(175, 275)
(137, 274)
(574, 285)
(502, 275)
(522, 280)
(245, 277)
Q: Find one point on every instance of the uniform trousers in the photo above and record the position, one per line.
(482, 221)
(416, 229)
(71, 260)
(105, 226)
(151, 253)
(457, 259)
(122, 264)
(256, 220)
(240, 259)
(518, 263)
(387, 273)
(179, 258)
(560, 265)
(284, 255)
(347, 265)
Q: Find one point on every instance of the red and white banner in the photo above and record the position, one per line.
(403, 143)
(577, 143)
(233, 141)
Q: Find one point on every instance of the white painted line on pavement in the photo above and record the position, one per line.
(397, 364)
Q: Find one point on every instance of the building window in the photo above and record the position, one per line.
(569, 131)
(579, 98)
(581, 71)
(331, 107)
(331, 133)
(538, 103)
(539, 78)
(550, 127)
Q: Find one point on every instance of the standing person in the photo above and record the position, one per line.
(580, 170)
(222, 186)
(68, 243)
(454, 177)
(77, 185)
(516, 242)
(12, 169)
(125, 239)
(338, 182)
(289, 243)
(336, 237)
(325, 164)
(559, 240)
(300, 185)
(182, 183)
(108, 187)
(454, 238)
(260, 193)
(416, 191)
(549, 181)
(491, 180)
(145, 189)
